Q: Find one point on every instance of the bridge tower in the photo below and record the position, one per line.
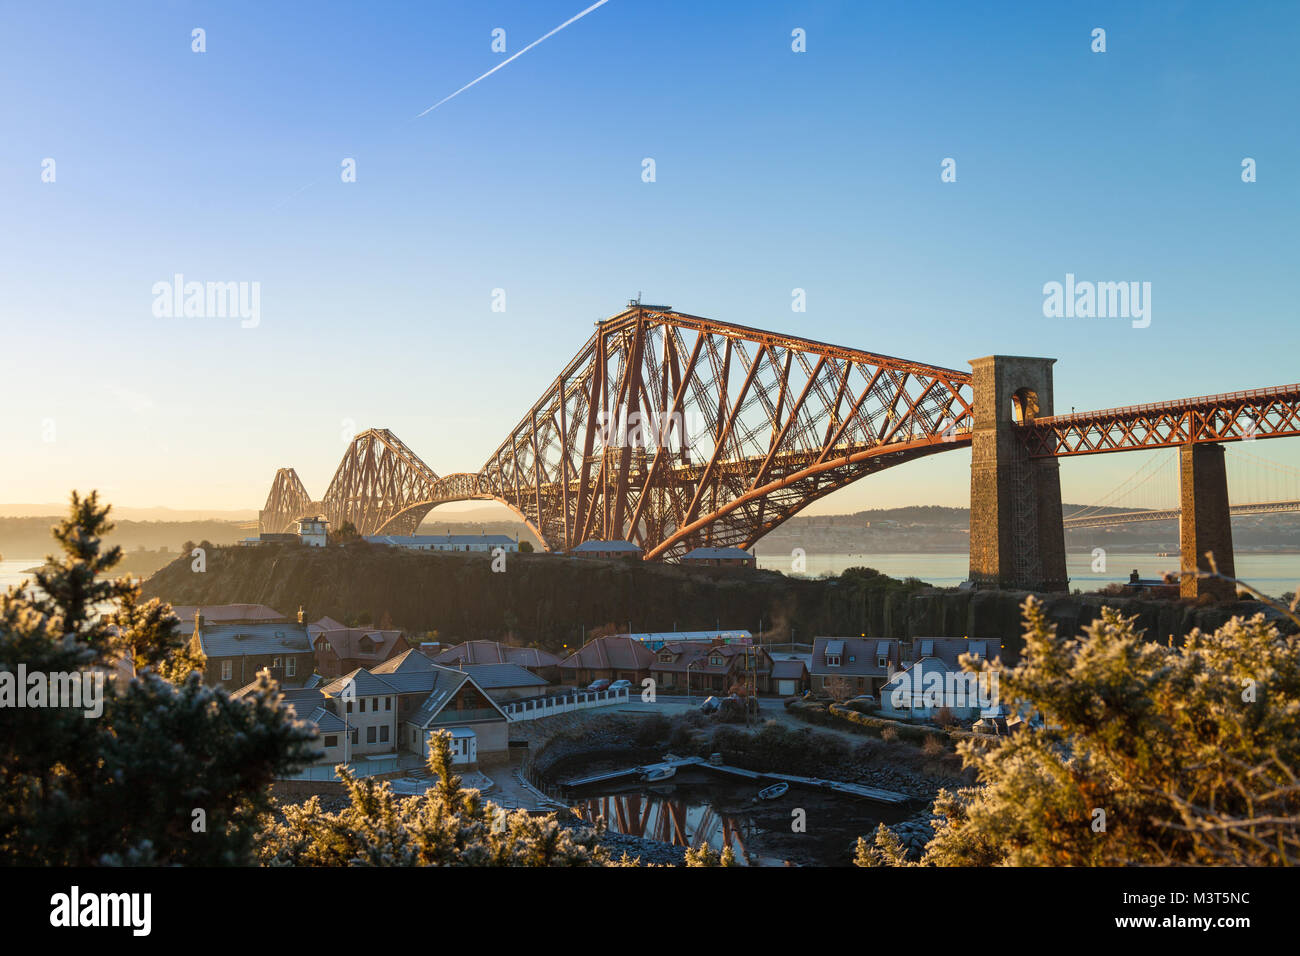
(1205, 523)
(1017, 540)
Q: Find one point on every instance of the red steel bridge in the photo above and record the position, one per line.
(674, 431)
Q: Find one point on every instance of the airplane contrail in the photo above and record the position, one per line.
(572, 19)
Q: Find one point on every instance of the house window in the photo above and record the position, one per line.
(832, 660)
(291, 667)
(388, 703)
(371, 732)
(852, 658)
(332, 740)
(383, 734)
(665, 658)
(275, 663)
(349, 707)
(715, 661)
(882, 661)
(354, 738)
(227, 670)
(363, 705)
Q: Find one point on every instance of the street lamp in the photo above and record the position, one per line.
(688, 679)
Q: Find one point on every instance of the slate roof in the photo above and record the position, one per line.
(445, 686)
(862, 650)
(409, 661)
(949, 649)
(239, 639)
(788, 670)
(366, 684)
(614, 545)
(495, 676)
(326, 721)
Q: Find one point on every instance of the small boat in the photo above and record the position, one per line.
(658, 773)
(774, 791)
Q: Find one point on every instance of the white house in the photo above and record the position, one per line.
(447, 542)
(311, 532)
(928, 686)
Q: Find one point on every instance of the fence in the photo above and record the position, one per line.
(359, 768)
(550, 706)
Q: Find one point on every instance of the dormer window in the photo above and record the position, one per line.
(882, 661)
(715, 661)
(665, 658)
(832, 660)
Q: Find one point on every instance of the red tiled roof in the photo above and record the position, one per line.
(350, 643)
(223, 613)
(611, 653)
(493, 652)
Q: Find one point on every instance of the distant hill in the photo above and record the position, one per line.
(134, 514)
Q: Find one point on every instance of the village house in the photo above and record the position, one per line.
(711, 668)
(657, 639)
(931, 686)
(608, 658)
(608, 549)
(236, 650)
(433, 697)
(844, 667)
(313, 532)
(790, 676)
(310, 705)
(542, 663)
(447, 542)
(341, 650)
(366, 702)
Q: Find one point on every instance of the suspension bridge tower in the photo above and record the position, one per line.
(1017, 539)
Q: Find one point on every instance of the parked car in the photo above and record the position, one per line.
(710, 705)
(602, 684)
(621, 685)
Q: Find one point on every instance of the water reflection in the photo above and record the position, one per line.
(669, 817)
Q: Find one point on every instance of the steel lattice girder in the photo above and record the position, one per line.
(672, 431)
(381, 486)
(1236, 416)
(287, 502)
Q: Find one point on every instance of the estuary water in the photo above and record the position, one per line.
(1274, 574)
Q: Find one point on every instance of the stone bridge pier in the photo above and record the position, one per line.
(1017, 538)
(1205, 525)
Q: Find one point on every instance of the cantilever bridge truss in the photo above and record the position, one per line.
(671, 431)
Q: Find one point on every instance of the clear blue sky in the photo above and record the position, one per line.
(775, 170)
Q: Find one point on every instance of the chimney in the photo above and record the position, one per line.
(302, 615)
